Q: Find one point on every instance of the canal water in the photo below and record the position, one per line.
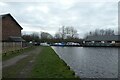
(91, 62)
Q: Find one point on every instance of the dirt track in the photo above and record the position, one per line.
(29, 56)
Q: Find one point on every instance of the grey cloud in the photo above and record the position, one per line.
(83, 16)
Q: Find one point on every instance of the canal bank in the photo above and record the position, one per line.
(42, 62)
(49, 65)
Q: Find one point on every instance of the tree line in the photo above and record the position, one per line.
(100, 32)
(64, 34)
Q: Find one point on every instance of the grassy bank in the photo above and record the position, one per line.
(49, 65)
(11, 54)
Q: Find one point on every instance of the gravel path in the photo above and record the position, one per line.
(27, 69)
(31, 56)
(13, 60)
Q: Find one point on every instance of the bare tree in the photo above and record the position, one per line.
(73, 32)
(31, 37)
(35, 36)
(100, 32)
(45, 35)
(67, 32)
(63, 32)
(58, 35)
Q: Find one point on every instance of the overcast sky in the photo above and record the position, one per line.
(49, 16)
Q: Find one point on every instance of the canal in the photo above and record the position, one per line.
(91, 62)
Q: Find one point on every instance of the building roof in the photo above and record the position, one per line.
(16, 39)
(103, 38)
(5, 15)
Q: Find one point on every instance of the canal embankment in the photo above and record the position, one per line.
(49, 65)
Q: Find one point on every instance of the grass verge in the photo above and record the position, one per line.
(49, 65)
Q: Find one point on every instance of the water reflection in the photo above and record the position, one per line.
(91, 62)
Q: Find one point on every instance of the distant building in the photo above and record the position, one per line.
(11, 33)
(111, 39)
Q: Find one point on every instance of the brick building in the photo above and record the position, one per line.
(11, 33)
(10, 28)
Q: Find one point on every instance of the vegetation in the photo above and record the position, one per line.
(45, 35)
(49, 65)
(64, 33)
(68, 32)
(31, 37)
(100, 32)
